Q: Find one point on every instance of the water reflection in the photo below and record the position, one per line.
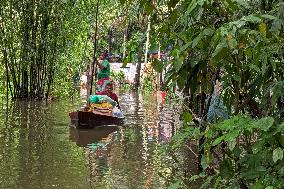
(34, 148)
(131, 158)
(84, 137)
(38, 149)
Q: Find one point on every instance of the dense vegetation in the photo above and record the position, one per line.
(43, 45)
(240, 44)
(225, 56)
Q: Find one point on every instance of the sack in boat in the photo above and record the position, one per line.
(99, 99)
(117, 113)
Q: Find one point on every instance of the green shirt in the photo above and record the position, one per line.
(105, 72)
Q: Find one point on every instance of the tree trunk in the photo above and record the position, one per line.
(110, 37)
(147, 40)
(124, 43)
(138, 67)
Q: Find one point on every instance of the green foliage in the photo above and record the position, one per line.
(43, 45)
(242, 152)
(240, 43)
(118, 77)
(149, 85)
(206, 36)
(277, 154)
(176, 185)
(277, 92)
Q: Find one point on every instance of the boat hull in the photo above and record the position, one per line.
(90, 119)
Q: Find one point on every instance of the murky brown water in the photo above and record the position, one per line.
(39, 149)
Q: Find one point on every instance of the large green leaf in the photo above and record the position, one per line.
(231, 5)
(205, 32)
(239, 122)
(175, 185)
(252, 18)
(232, 144)
(218, 140)
(195, 4)
(178, 59)
(277, 154)
(254, 172)
(257, 185)
(226, 168)
(220, 50)
(158, 65)
(184, 47)
(267, 16)
(278, 91)
(264, 123)
(243, 3)
(232, 135)
(204, 162)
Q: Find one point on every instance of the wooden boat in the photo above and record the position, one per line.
(86, 119)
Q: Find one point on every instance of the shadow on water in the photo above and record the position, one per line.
(38, 150)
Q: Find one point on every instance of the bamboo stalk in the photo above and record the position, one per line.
(95, 47)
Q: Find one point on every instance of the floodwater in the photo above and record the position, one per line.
(39, 148)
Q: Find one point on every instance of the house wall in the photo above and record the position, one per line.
(129, 70)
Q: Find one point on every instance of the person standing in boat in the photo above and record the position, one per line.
(104, 84)
(104, 72)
